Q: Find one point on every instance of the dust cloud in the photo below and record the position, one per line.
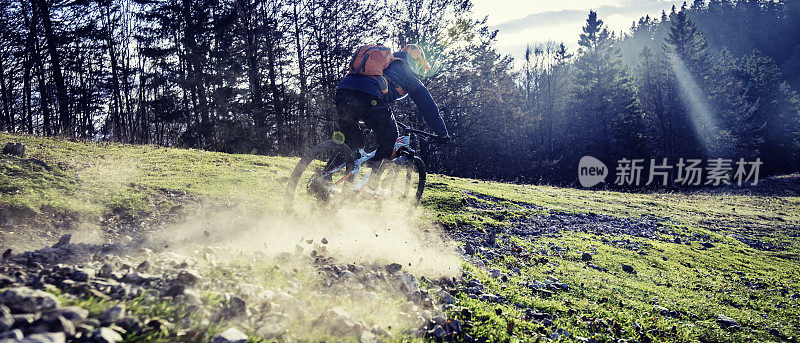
(366, 232)
(356, 294)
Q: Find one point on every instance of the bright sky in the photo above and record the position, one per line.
(523, 22)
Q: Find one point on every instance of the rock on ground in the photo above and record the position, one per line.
(26, 300)
(13, 335)
(231, 335)
(50, 337)
(339, 321)
(112, 314)
(105, 335)
(726, 322)
(15, 149)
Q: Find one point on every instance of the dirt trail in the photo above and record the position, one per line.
(355, 274)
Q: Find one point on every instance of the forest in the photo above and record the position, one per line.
(710, 79)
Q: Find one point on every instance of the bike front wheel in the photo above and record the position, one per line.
(320, 180)
(406, 181)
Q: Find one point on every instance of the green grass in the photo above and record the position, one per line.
(95, 181)
(105, 180)
(149, 309)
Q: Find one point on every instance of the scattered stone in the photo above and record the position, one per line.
(14, 149)
(48, 337)
(54, 324)
(272, 330)
(112, 314)
(234, 307)
(393, 268)
(489, 297)
(174, 290)
(64, 240)
(538, 316)
(72, 313)
(143, 267)
(231, 335)
(447, 298)
(586, 257)
(339, 321)
(437, 332)
(191, 297)
(727, 322)
(187, 277)
(157, 324)
(628, 269)
(139, 278)
(469, 249)
(130, 324)
(13, 335)
(7, 253)
(80, 275)
(105, 335)
(596, 267)
(491, 238)
(379, 331)
(408, 283)
(707, 245)
(368, 337)
(26, 300)
(25, 320)
(662, 310)
(6, 320)
(324, 240)
(106, 270)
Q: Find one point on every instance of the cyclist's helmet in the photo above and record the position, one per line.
(416, 57)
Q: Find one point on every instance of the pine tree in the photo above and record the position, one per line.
(687, 43)
(686, 58)
(605, 98)
(776, 114)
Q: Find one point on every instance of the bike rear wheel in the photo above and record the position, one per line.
(319, 181)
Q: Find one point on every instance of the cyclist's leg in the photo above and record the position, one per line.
(382, 122)
(349, 108)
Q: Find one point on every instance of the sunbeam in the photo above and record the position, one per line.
(700, 113)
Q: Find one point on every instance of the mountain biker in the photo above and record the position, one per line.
(361, 98)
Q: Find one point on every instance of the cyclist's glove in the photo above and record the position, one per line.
(442, 139)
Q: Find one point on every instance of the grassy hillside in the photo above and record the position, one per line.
(539, 262)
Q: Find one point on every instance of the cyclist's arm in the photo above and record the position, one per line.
(430, 112)
(405, 77)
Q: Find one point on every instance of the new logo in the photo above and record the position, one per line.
(591, 171)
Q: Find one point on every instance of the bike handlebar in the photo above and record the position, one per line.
(415, 131)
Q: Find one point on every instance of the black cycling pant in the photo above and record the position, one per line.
(354, 106)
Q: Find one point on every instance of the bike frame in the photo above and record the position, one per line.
(402, 147)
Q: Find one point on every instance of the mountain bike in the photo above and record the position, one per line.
(332, 174)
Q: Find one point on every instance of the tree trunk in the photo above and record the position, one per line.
(47, 129)
(301, 63)
(55, 65)
(27, 113)
(8, 117)
(116, 115)
(280, 119)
